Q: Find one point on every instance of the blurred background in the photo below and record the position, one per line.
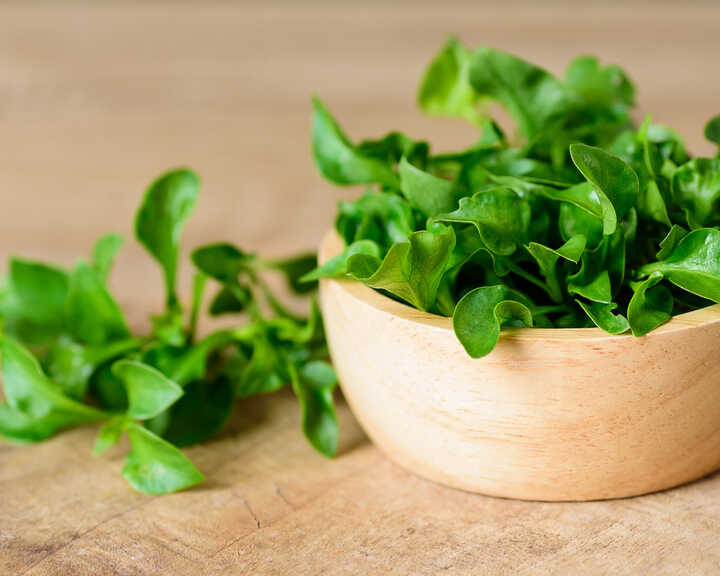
(98, 98)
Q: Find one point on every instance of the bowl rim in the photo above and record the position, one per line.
(332, 245)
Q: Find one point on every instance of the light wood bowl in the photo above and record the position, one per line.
(550, 414)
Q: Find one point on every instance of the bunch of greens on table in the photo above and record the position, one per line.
(580, 219)
(69, 358)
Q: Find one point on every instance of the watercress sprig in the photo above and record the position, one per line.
(69, 358)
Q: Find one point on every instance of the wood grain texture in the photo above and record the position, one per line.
(97, 98)
(573, 414)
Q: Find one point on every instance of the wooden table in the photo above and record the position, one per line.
(96, 99)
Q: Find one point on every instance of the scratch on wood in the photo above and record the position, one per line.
(79, 535)
(257, 522)
(165, 546)
(282, 496)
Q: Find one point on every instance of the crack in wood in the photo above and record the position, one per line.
(84, 533)
(282, 496)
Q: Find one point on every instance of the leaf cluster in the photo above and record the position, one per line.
(580, 219)
(69, 357)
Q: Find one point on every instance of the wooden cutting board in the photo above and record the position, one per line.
(97, 98)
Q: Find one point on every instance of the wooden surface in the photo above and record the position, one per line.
(97, 98)
(518, 423)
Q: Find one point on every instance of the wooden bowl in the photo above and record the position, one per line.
(550, 414)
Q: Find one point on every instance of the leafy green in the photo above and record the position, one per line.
(693, 265)
(340, 160)
(583, 219)
(712, 129)
(314, 384)
(33, 303)
(500, 215)
(650, 306)
(445, 87)
(103, 254)
(337, 265)
(149, 391)
(70, 364)
(92, 315)
(614, 198)
(410, 270)
(295, 270)
(603, 317)
(482, 311)
(155, 466)
(201, 412)
(533, 97)
(161, 218)
(110, 434)
(223, 261)
(427, 193)
(36, 407)
(615, 182)
(696, 188)
(66, 348)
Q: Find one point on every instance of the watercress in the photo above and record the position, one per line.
(68, 356)
(580, 219)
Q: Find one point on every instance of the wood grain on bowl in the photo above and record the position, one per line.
(550, 414)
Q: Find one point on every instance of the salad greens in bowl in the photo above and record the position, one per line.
(581, 218)
(532, 316)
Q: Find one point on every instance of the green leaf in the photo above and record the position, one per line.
(110, 434)
(155, 466)
(313, 385)
(33, 302)
(337, 265)
(108, 389)
(667, 245)
(169, 328)
(582, 195)
(29, 391)
(198, 293)
(183, 364)
(572, 222)
(91, 313)
(696, 188)
(650, 306)
(712, 130)
(394, 146)
(160, 221)
(384, 218)
(70, 364)
(501, 217)
(533, 97)
(601, 270)
(445, 88)
(264, 373)
(693, 265)
(482, 311)
(427, 193)
(103, 254)
(231, 299)
(222, 261)
(601, 87)
(602, 316)
(201, 412)
(18, 427)
(149, 391)
(411, 271)
(295, 269)
(547, 259)
(338, 159)
(613, 179)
